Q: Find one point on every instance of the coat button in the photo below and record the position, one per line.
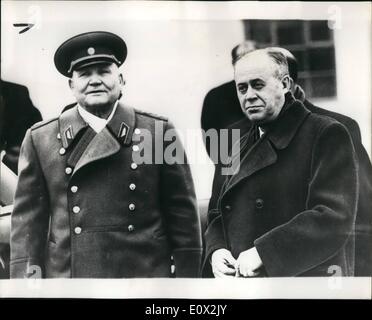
(58, 136)
(76, 209)
(259, 203)
(134, 166)
(131, 228)
(137, 131)
(68, 170)
(135, 148)
(132, 206)
(77, 230)
(62, 151)
(228, 208)
(132, 186)
(74, 189)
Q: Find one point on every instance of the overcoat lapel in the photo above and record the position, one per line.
(80, 147)
(263, 153)
(103, 145)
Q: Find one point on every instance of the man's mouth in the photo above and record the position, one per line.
(253, 108)
(96, 91)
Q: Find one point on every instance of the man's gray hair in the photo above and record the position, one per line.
(277, 57)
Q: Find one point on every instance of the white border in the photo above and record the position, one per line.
(259, 288)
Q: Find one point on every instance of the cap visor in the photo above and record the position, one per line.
(90, 63)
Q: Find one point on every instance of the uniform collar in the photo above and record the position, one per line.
(121, 125)
(96, 123)
(70, 124)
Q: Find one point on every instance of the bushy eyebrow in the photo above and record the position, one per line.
(256, 80)
(80, 72)
(252, 82)
(105, 66)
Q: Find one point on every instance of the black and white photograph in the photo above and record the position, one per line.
(198, 150)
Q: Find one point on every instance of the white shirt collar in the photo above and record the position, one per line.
(96, 123)
(261, 131)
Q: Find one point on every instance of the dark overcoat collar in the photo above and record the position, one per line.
(278, 135)
(282, 131)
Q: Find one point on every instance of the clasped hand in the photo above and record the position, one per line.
(225, 265)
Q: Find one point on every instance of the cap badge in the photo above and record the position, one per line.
(91, 51)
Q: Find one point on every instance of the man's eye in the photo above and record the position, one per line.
(258, 86)
(84, 74)
(242, 89)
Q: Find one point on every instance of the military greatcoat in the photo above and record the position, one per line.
(84, 208)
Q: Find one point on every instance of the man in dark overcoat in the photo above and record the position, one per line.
(289, 208)
(85, 205)
(222, 104)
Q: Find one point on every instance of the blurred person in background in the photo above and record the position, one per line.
(17, 115)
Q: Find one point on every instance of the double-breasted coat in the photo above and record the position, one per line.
(85, 208)
(294, 198)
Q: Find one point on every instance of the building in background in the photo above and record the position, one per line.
(311, 42)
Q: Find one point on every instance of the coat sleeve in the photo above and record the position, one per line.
(30, 218)
(214, 235)
(316, 234)
(354, 130)
(214, 239)
(363, 223)
(179, 205)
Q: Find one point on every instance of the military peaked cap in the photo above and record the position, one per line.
(89, 48)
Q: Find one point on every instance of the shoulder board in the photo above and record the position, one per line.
(151, 115)
(43, 123)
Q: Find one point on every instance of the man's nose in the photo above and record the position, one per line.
(95, 79)
(250, 95)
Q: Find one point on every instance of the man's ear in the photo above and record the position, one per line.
(291, 84)
(71, 83)
(287, 83)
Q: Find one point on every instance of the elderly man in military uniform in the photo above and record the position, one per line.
(289, 208)
(84, 208)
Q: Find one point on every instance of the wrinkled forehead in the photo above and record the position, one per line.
(255, 65)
